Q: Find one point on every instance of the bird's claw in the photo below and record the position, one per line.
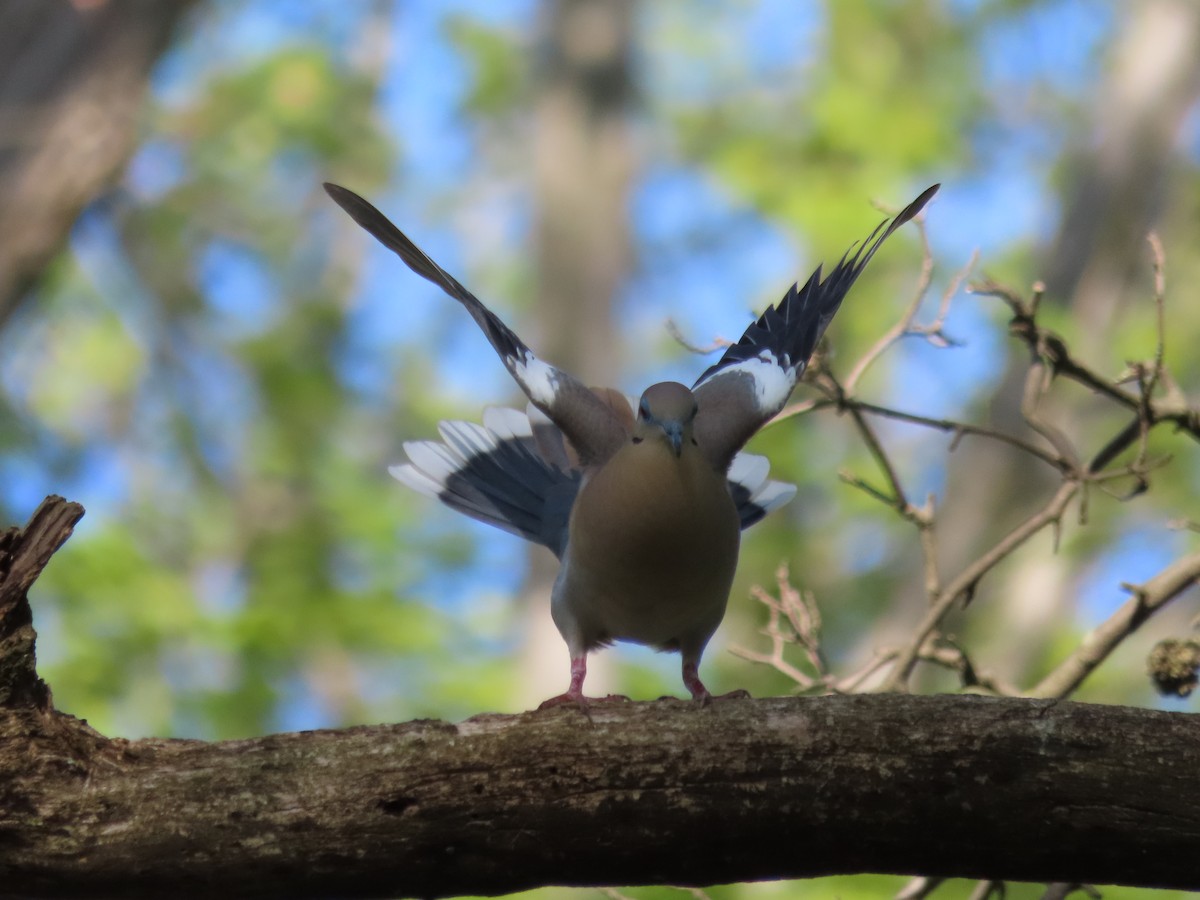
(580, 701)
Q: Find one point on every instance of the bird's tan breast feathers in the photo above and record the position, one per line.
(662, 516)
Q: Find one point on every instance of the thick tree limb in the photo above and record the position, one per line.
(645, 793)
(998, 789)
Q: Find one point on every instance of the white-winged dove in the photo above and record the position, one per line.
(644, 511)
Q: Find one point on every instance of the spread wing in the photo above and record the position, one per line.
(753, 379)
(587, 421)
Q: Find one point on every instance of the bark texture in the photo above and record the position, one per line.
(24, 552)
(639, 793)
(647, 793)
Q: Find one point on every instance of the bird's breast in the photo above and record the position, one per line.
(653, 543)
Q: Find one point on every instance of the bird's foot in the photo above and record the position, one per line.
(739, 694)
(700, 694)
(579, 700)
(574, 694)
(704, 698)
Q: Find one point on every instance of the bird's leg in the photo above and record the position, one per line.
(574, 693)
(691, 680)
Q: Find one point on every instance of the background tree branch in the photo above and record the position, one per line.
(72, 83)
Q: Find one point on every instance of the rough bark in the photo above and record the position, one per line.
(640, 793)
(72, 82)
(24, 552)
(647, 793)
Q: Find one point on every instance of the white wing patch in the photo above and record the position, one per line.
(539, 379)
(772, 381)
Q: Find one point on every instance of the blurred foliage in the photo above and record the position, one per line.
(246, 565)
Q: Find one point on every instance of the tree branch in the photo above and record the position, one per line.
(662, 792)
(23, 555)
(1096, 647)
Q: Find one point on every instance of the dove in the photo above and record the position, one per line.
(643, 502)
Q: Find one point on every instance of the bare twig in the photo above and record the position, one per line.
(718, 343)
(947, 654)
(934, 331)
(955, 428)
(919, 888)
(1054, 350)
(1160, 294)
(985, 889)
(905, 322)
(800, 611)
(854, 681)
(1096, 647)
(963, 585)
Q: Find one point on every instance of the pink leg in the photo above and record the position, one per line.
(574, 693)
(691, 680)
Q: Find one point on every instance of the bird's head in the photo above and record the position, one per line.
(666, 412)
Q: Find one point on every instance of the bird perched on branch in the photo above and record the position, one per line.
(642, 502)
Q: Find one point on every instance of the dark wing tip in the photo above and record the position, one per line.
(362, 212)
(794, 325)
(915, 207)
(375, 223)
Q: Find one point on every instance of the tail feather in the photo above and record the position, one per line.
(494, 473)
(754, 493)
(512, 472)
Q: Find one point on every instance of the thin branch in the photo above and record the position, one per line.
(934, 331)
(1097, 646)
(803, 616)
(718, 343)
(929, 556)
(951, 426)
(919, 888)
(1037, 384)
(985, 889)
(1054, 350)
(963, 585)
(854, 681)
(905, 322)
(947, 654)
(1160, 293)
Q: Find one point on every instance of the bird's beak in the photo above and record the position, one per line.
(674, 433)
